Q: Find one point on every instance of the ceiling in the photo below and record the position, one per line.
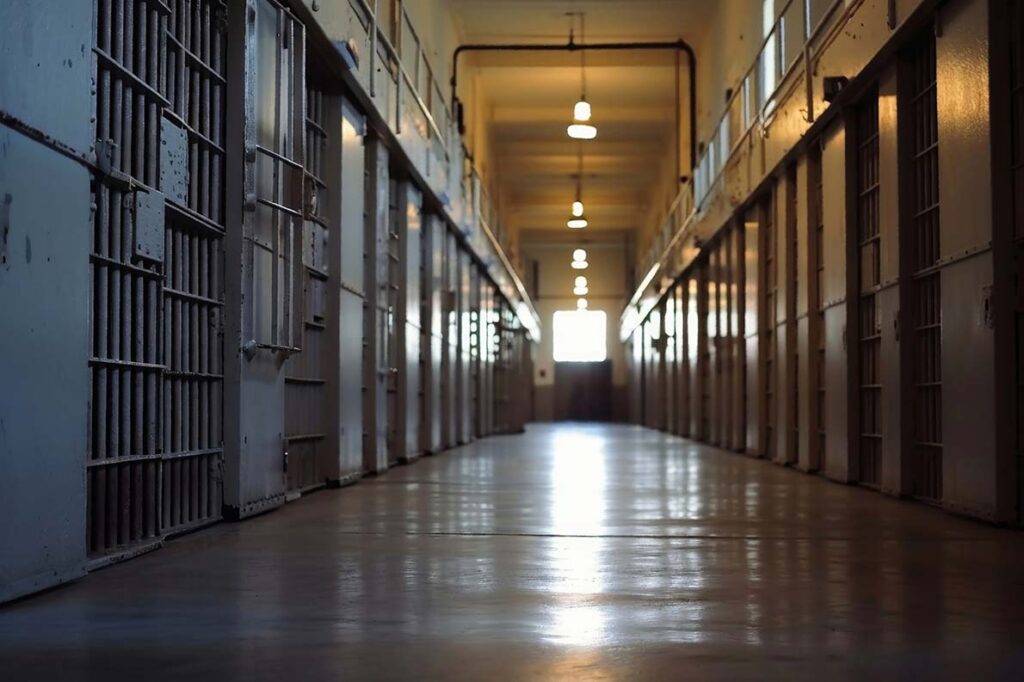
(528, 99)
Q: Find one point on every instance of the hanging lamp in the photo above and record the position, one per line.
(581, 127)
(578, 219)
(579, 259)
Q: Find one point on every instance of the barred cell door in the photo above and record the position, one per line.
(395, 443)
(703, 386)
(921, 243)
(1017, 161)
(306, 417)
(769, 318)
(792, 333)
(869, 343)
(816, 304)
(155, 448)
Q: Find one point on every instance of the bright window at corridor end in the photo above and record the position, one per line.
(580, 336)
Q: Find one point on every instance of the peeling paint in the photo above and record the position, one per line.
(5, 229)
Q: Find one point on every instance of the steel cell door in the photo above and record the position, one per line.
(155, 449)
(1016, 87)
(307, 421)
(377, 321)
(868, 260)
(450, 342)
(395, 425)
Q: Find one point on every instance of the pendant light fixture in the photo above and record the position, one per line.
(578, 220)
(579, 259)
(581, 127)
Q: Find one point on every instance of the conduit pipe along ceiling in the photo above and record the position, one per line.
(678, 45)
(581, 127)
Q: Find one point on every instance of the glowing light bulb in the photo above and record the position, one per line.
(580, 265)
(582, 131)
(577, 223)
(581, 304)
(581, 281)
(577, 208)
(581, 291)
(579, 255)
(581, 112)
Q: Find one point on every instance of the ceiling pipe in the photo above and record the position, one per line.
(572, 46)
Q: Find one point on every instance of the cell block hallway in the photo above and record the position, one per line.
(511, 339)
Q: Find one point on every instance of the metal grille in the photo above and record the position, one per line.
(715, 343)
(193, 303)
(816, 299)
(869, 326)
(926, 291)
(1017, 161)
(769, 298)
(306, 422)
(155, 429)
(704, 354)
(395, 275)
(726, 334)
(685, 369)
(792, 289)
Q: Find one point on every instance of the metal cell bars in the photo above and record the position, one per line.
(1017, 160)
(124, 445)
(691, 349)
(732, 339)
(792, 295)
(306, 422)
(816, 302)
(716, 341)
(123, 464)
(1017, 115)
(274, 166)
(393, 350)
(869, 344)
(193, 288)
(505, 365)
(129, 86)
(194, 87)
(703, 354)
(769, 319)
(193, 380)
(926, 290)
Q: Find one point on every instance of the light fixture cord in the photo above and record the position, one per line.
(579, 173)
(583, 56)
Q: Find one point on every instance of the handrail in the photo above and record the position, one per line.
(383, 39)
(705, 179)
(401, 75)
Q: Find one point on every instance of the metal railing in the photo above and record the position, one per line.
(398, 45)
(786, 45)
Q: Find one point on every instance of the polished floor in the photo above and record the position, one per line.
(573, 551)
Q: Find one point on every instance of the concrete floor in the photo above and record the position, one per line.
(570, 552)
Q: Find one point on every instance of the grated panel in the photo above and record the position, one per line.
(869, 460)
